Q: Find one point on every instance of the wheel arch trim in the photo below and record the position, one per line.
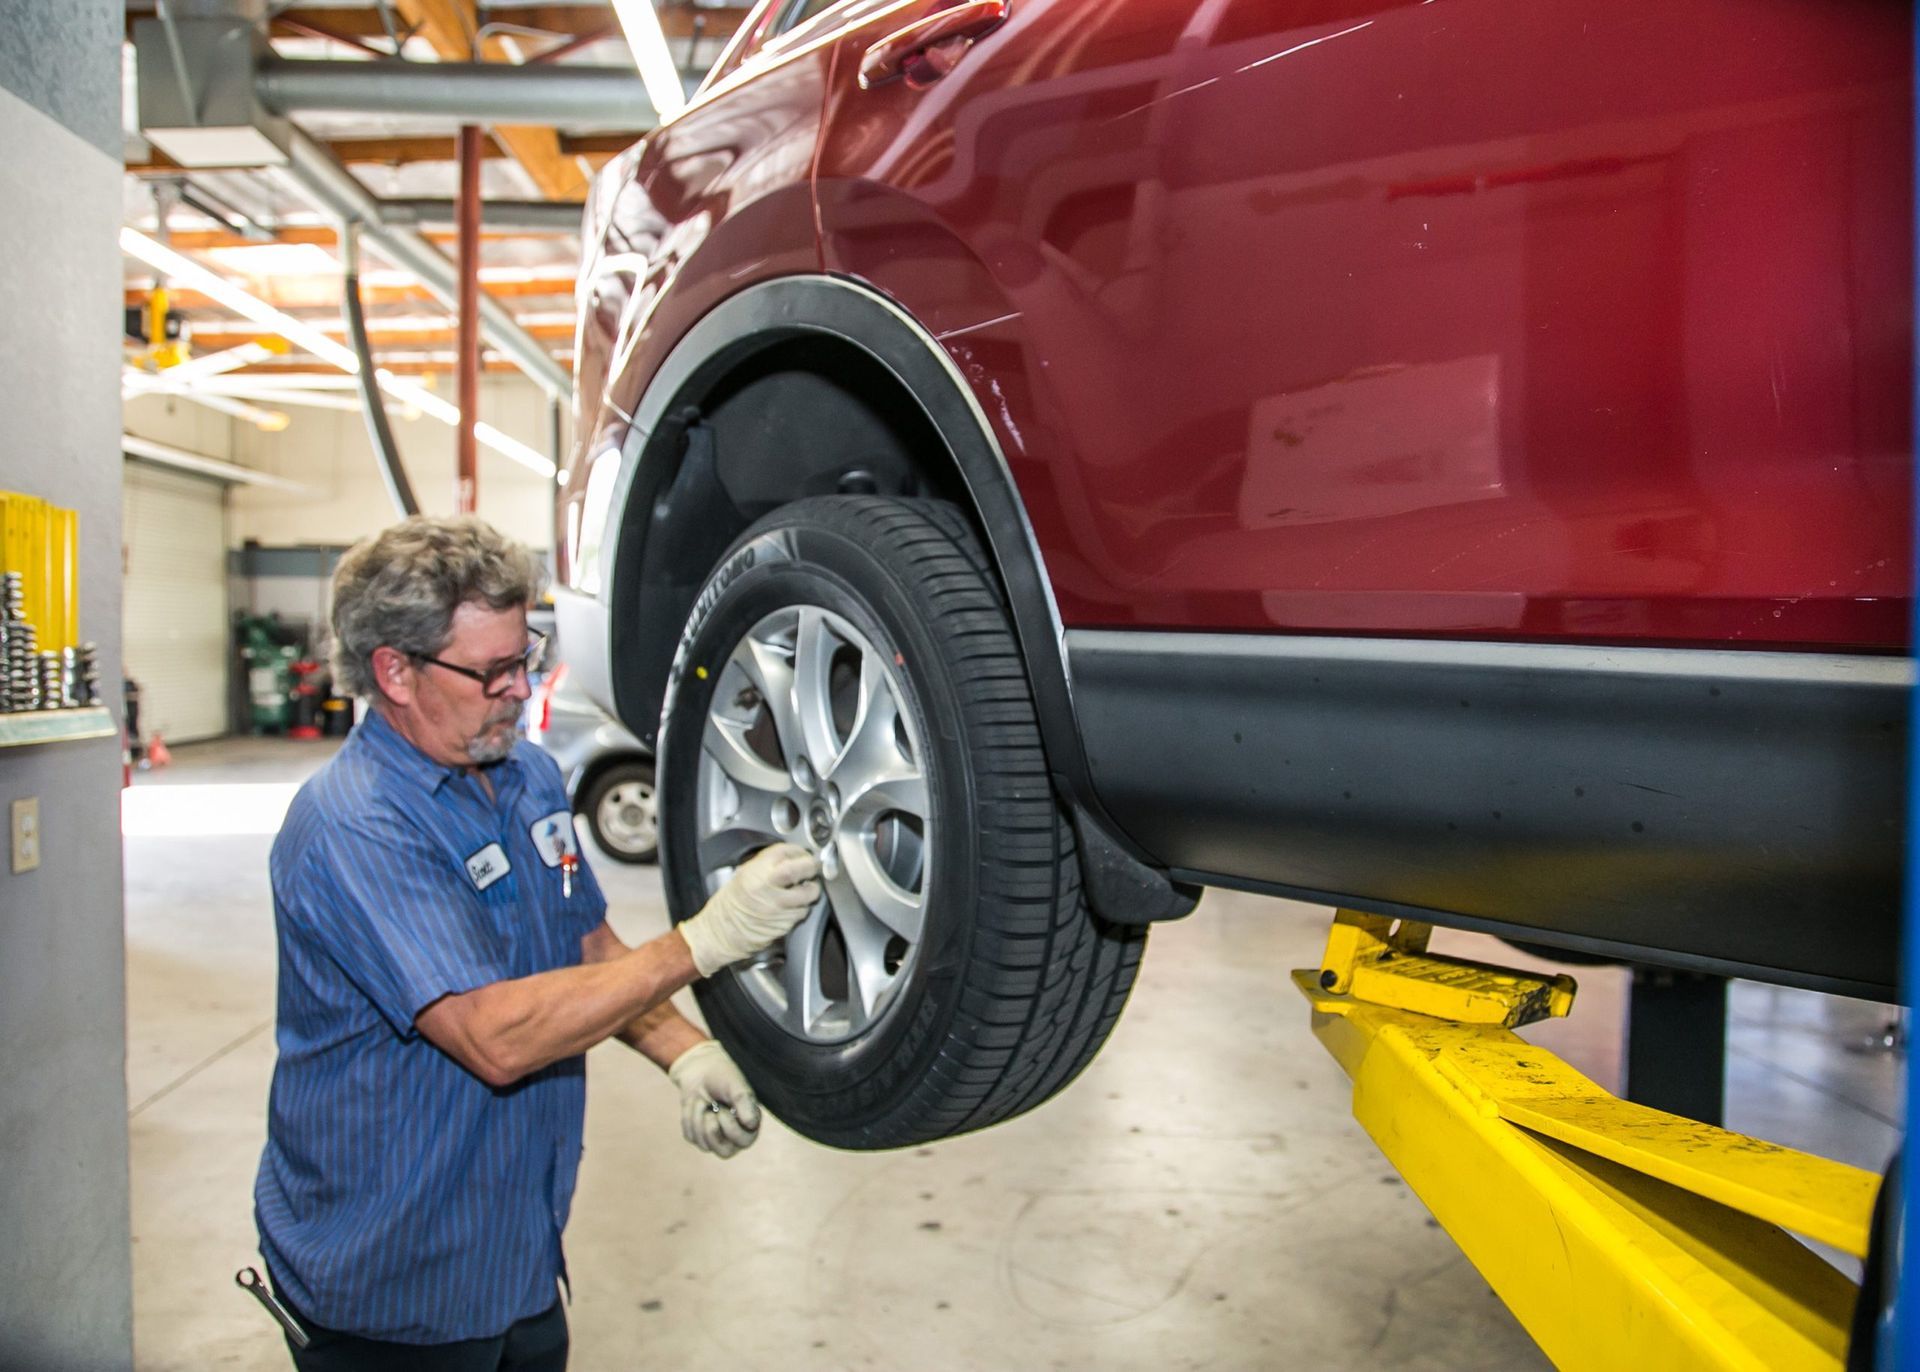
(856, 314)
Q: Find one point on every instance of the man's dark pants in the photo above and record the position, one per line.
(535, 1344)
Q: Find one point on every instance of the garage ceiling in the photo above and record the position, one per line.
(248, 227)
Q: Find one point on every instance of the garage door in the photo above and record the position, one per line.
(175, 628)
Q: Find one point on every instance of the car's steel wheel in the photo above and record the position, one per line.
(811, 739)
(626, 817)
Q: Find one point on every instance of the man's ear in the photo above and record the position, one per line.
(393, 675)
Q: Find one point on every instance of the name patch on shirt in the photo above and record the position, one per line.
(554, 837)
(488, 866)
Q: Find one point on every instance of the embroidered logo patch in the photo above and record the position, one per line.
(554, 837)
(488, 866)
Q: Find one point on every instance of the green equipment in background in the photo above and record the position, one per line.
(269, 660)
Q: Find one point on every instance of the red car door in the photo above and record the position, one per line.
(1458, 318)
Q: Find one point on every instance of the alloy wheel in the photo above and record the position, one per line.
(811, 739)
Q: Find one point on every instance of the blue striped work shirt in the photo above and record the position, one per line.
(400, 1197)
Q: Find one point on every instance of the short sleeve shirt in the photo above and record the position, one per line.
(399, 1196)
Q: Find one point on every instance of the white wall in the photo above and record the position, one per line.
(180, 424)
(328, 451)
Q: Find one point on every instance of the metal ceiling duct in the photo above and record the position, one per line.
(200, 42)
(312, 173)
(485, 92)
(526, 216)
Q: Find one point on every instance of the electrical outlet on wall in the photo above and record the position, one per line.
(26, 834)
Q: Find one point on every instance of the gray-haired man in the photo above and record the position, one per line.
(444, 963)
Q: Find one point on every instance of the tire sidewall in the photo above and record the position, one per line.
(797, 557)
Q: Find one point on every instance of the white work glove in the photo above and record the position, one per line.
(718, 1113)
(761, 901)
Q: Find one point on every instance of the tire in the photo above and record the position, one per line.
(1011, 983)
(622, 813)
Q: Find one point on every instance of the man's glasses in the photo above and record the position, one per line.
(497, 680)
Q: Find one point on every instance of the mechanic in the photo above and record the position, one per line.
(444, 963)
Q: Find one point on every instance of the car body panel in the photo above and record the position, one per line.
(1484, 318)
(1736, 811)
(1475, 322)
(707, 206)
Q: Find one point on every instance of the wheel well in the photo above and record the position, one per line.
(814, 385)
(799, 415)
(599, 767)
(817, 415)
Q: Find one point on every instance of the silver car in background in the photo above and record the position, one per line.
(608, 772)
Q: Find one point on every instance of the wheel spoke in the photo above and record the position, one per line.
(901, 911)
(813, 645)
(770, 673)
(905, 793)
(866, 939)
(871, 748)
(800, 978)
(876, 774)
(725, 741)
(747, 829)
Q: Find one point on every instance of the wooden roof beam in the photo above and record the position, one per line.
(214, 337)
(295, 293)
(201, 240)
(449, 26)
(677, 20)
(488, 363)
(594, 148)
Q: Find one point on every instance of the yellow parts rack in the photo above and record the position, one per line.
(42, 543)
(1619, 1236)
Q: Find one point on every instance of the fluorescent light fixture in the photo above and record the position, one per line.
(185, 271)
(260, 260)
(226, 360)
(219, 468)
(269, 421)
(266, 395)
(407, 323)
(198, 369)
(512, 447)
(641, 24)
(284, 381)
(560, 279)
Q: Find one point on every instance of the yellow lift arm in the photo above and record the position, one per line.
(1620, 1237)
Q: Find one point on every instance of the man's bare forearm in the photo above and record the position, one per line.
(504, 1031)
(660, 1035)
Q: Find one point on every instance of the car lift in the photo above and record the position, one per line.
(1620, 1236)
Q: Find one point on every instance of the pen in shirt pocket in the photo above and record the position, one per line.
(569, 863)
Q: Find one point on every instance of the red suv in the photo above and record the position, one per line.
(1447, 458)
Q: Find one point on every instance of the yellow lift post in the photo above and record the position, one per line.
(1619, 1236)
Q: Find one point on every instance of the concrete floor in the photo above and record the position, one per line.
(1200, 1198)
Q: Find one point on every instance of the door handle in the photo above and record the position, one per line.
(926, 50)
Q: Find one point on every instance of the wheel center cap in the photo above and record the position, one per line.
(820, 824)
